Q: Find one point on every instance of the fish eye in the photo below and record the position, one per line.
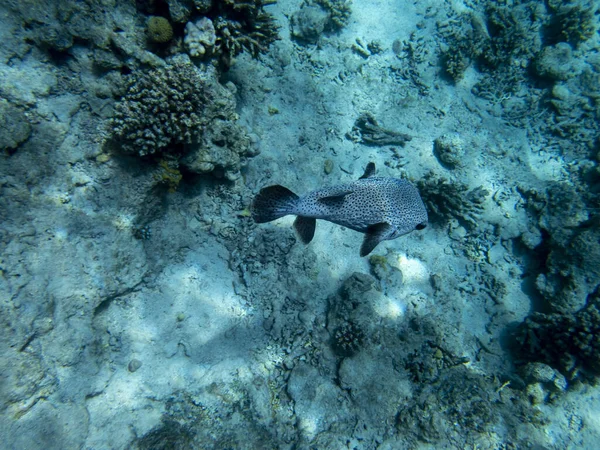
(421, 225)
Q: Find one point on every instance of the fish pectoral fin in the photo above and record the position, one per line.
(369, 171)
(374, 235)
(305, 227)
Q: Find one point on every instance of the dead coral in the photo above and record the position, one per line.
(446, 200)
(570, 256)
(339, 12)
(367, 130)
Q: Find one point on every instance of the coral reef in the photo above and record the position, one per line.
(500, 43)
(555, 62)
(570, 250)
(179, 111)
(228, 27)
(464, 401)
(543, 382)
(347, 339)
(168, 435)
(573, 21)
(339, 12)
(567, 342)
(168, 174)
(57, 25)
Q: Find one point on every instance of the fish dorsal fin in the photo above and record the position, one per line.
(335, 195)
(369, 171)
(374, 235)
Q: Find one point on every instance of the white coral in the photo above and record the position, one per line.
(200, 37)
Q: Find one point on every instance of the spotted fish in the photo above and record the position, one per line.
(382, 208)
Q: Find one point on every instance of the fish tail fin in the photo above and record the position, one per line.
(305, 227)
(272, 203)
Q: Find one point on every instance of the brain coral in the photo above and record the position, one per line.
(160, 30)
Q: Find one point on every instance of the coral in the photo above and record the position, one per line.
(426, 364)
(142, 233)
(576, 120)
(455, 64)
(317, 16)
(464, 40)
(169, 435)
(159, 30)
(447, 200)
(541, 379)
(169, 175)
(503, 40)
(339, 12)
(184, 116)
(350, 314)
(568, 342)
(308, 23)
(161, 110)
(200, 37)
(242, 26)
(222, 150)
(556, 62)
(367, 130)
(573, 22)
(347, 339)
(570, 250)
(57, 25)
(458, 400)
(449, 150)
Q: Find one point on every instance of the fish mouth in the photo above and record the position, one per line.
(421, 226)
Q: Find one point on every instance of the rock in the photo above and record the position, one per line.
(449, 150)
(134, 365)
(14, 125)
(556, 62)
(308, 23)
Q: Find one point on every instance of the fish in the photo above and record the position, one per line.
(382, 208)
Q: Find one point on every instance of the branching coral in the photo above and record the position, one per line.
(238, 26)
(573, 22)
(160, 110)
(185, 115)
(447, 200)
